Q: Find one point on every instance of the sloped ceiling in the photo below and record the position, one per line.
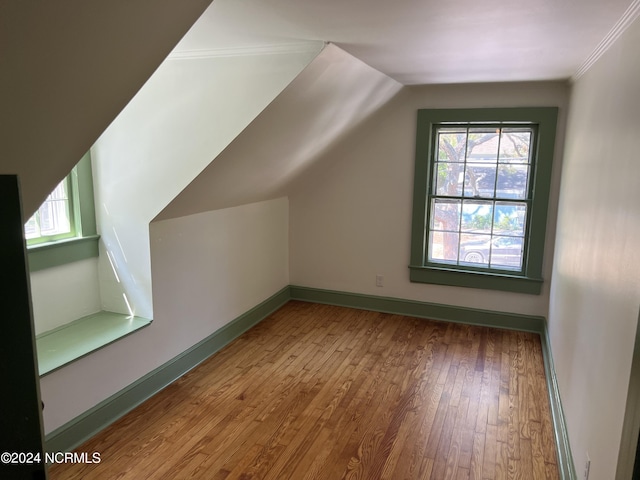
(428, 41)
(332, 96)
(67, 68)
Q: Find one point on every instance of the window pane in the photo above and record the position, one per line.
(445, 215)
(443, 247)
(452, 144)
(59, 193)
(475, 249)
(509, 219)
(482, 145)
(506, 252)
(449, 178)
(480, 180)
(476, 216)
(515, 145)
(54, 218)
(62, 223)
(512, 181)
(31, 229)
(46, 218)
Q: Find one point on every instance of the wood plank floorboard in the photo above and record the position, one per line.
(324, 392)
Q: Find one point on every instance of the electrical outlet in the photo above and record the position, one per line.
(587, 467)
(379, 280)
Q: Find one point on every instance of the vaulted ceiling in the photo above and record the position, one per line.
(426, 41)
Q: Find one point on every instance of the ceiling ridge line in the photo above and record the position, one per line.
(271, 49)
(627, 18)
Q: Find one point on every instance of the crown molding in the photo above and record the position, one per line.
(274, 49)
(627, 18)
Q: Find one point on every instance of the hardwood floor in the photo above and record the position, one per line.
(323, 392)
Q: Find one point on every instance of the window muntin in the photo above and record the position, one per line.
(479, 195)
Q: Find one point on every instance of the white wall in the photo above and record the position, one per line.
(208, 269)
(351, 215)
(64, 293)
(185, 115)
(333, 95)
(596, 277)
(219, 264)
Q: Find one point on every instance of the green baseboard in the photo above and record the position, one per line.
(433, 311)
(566, 468)
(80, 429)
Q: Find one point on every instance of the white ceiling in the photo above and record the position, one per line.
(425, 41)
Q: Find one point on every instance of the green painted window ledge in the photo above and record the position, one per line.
(475, 279)
(54, 254)
(72, 341)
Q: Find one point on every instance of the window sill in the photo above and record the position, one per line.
(53, 254)
(471, 279)
(65, 344)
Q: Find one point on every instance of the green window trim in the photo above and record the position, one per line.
(529, 280)
(84, 244)
(55, 254)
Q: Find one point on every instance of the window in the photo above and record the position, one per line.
(480, 197)
(63, 230)
(52, 221)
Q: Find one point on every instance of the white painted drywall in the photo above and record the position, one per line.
(208, 269)
(185, 115)
(64, 293)
(330, 97)
(595, 292)
(351, 213)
